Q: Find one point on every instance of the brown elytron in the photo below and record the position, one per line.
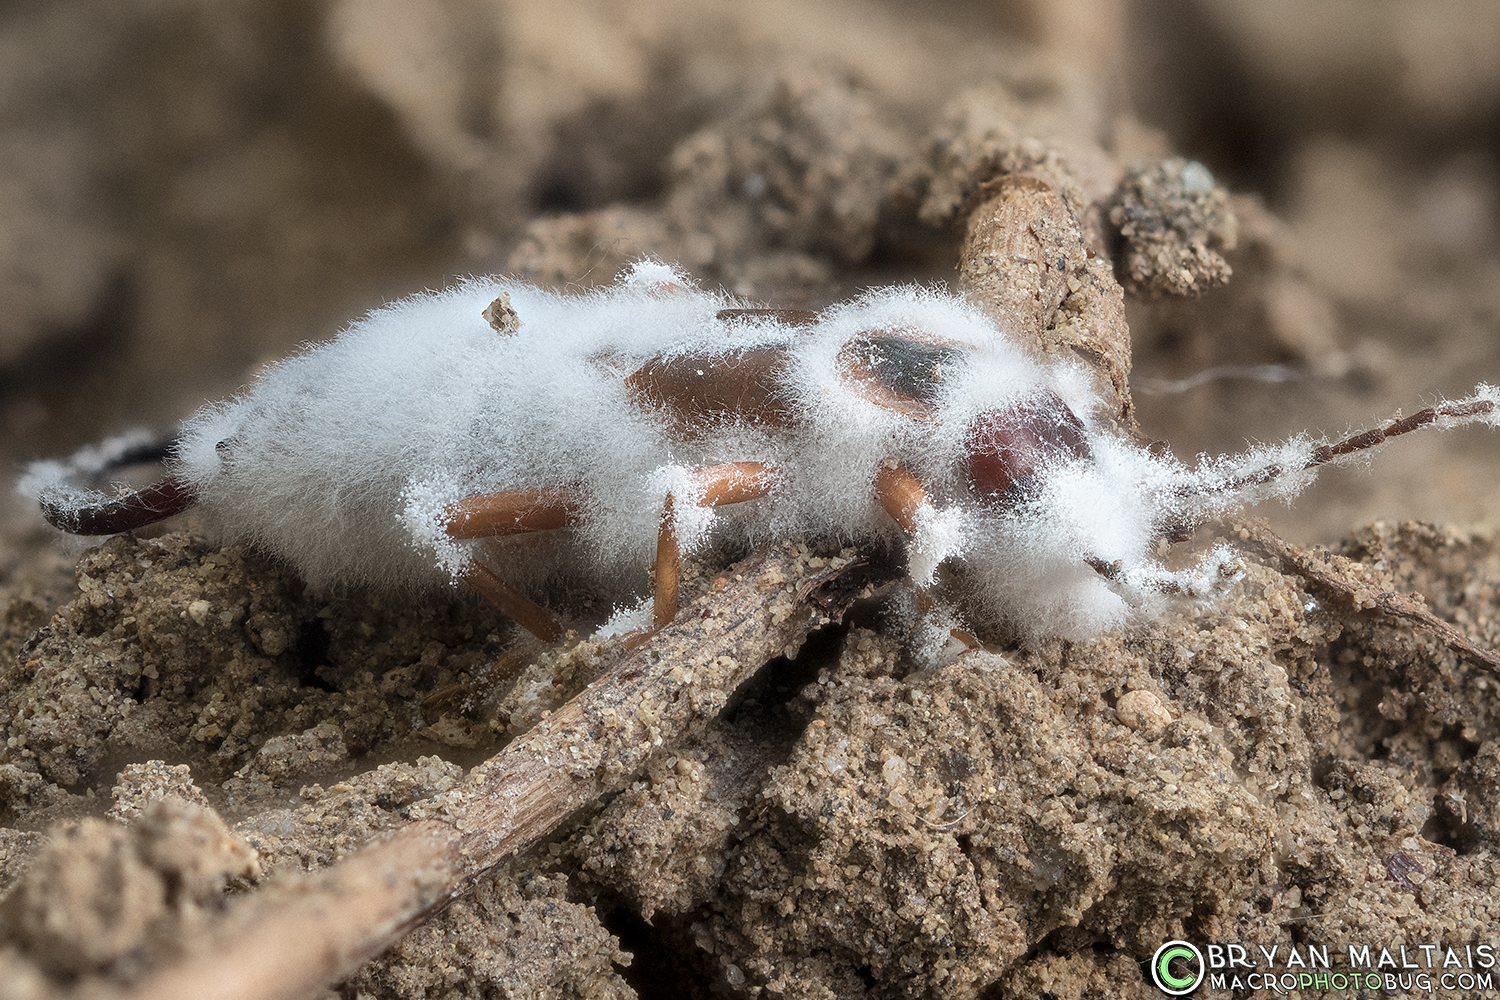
(699, 391)
(898, 370)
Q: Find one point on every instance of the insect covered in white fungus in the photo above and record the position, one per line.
(511, 438)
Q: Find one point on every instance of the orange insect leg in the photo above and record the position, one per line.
(731, 482)
(512, 512)
(668, 570)
(902, 496)
(527, 613)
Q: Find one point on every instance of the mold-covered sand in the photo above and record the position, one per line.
(186, 725)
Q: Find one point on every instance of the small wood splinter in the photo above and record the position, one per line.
(1296, 560)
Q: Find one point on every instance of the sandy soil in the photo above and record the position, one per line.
(1301, 203)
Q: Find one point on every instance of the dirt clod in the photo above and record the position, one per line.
(103, 896)
(1175, 221)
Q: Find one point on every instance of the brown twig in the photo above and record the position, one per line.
(1328, 574)
(1026, 263)
(293, 939)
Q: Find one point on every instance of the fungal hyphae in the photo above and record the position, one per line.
(511, 438)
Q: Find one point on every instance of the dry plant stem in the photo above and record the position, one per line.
(301, 934)
(1011, 254)
(1025, 263)
(1327, 574)
(293, 940)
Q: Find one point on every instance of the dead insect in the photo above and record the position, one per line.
(509, 437)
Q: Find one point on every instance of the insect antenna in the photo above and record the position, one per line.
(1483, 406)
(1461, 412)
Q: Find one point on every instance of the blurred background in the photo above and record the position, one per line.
(189, 189)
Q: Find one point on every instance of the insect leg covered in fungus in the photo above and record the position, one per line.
(511, 512)
(902, 497)
(718, 485)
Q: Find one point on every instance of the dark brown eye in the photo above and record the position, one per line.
(898, 372)
(1009, 446)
